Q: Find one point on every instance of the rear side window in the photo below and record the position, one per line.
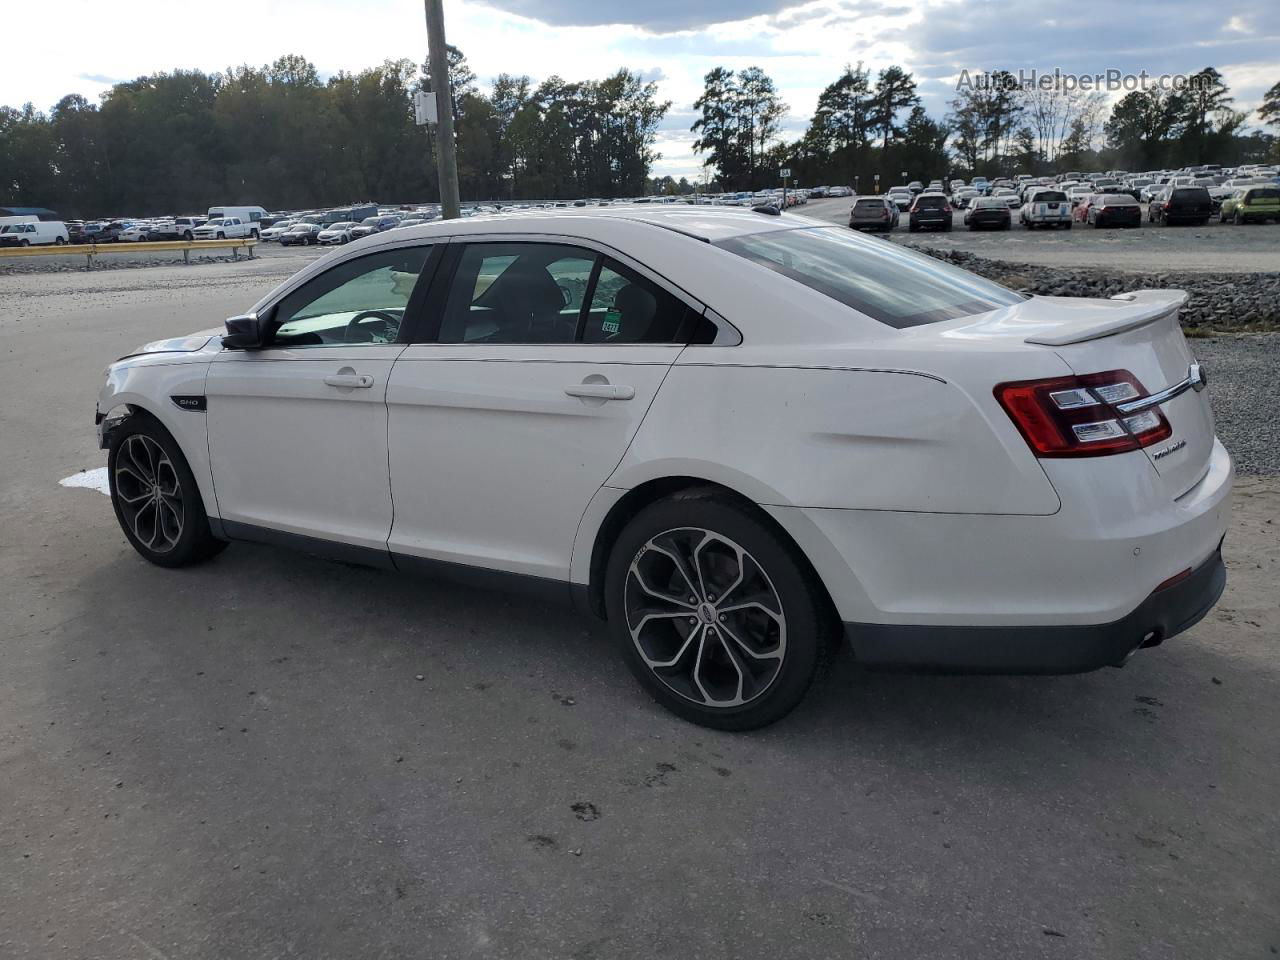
(627, 308)
(888, 283)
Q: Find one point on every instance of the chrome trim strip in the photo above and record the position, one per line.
(1196, 380)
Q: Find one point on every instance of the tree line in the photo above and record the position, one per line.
(868, 130)
(281, 136)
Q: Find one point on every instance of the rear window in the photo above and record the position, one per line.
(896, 286)
(1191, 195)
(1119, 200)
(868, 205)
(1050, 196)
(930, 203)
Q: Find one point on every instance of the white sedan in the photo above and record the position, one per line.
(739, 438)
(336, 233)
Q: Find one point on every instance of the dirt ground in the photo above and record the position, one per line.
(238, 760)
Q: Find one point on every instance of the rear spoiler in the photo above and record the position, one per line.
(1146, 306)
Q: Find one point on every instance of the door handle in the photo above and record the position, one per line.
(350, 381)
(600, 391)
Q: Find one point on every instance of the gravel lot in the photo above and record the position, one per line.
(237, 760)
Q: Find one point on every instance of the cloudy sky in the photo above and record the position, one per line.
(84, 45)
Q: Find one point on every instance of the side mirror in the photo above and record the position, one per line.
(243, 332)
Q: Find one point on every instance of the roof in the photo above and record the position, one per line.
(27, 212)
(703, 223)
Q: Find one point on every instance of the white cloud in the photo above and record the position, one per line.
(803, 46)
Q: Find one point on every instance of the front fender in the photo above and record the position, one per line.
(150, 385)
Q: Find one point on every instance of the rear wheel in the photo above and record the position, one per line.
(155, 496)
(718, 618)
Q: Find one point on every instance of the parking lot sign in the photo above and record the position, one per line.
(785, 172)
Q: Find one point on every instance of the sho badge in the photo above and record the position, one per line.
(1172, 448)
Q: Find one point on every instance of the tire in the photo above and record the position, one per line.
(913, 228)
(24, 243)
(170, 527)
(58, 241)
(1238, 220)
(187, 236)
(253, 234)
(784, 640)
(221, 235)
(1066, 226)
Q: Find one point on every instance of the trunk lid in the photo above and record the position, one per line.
(1138, 332)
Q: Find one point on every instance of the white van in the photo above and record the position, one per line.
(25, 218)
(249, 216)
(34, 233)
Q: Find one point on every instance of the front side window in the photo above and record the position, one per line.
(359, 301)
(555, 293)
(888, 283)
(517, 293)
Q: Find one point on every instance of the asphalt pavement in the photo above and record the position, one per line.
(272, 756)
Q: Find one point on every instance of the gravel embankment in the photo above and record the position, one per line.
(1245, 391)
(1226, 302)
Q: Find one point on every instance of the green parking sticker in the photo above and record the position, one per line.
(612, 321)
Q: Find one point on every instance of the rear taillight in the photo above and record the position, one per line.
(1077, 417)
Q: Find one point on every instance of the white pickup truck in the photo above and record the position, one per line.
(225, 228)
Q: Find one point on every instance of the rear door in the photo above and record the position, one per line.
(506, 419)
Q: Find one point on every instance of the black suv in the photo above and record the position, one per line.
(1181, 205)
(930, 210)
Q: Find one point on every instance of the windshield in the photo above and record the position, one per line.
(898, 287)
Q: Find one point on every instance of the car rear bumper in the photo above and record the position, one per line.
(1085, 570)
(1049, 649)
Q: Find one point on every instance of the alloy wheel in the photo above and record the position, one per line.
(149, 493)
(705, 617)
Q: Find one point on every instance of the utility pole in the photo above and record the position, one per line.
(438, 54)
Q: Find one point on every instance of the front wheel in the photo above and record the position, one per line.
(155, 496)
(221, 235)
(717, 616)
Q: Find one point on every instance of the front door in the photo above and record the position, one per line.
(298, 430)
(546, 360)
